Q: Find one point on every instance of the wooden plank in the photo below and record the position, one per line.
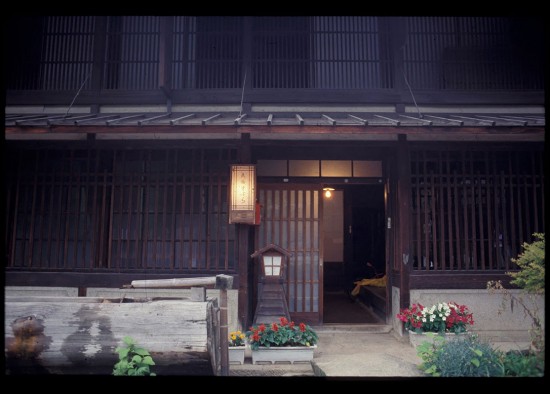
(472, 211)
(173, 256)
(465, 194)
(480, 218)
(84, 334)
(441, 216)
(102, 217)
(434, 220)
(15, 212)
(33, 211)
(458, 233)
(95, 228)
(174, 283)
(449, 209)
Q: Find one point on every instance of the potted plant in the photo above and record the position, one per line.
(443, 318)
(282, 341)
(237, 347)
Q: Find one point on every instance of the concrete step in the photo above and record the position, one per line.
(343, 328)
(279, 369)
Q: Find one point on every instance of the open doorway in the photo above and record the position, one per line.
(353, 249)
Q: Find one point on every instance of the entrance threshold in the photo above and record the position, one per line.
(353, 327)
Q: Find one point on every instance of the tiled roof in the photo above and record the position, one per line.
(276, 119)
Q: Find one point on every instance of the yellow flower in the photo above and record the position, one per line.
(233, 337)
(242, 336)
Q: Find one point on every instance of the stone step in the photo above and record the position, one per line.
(364, 328)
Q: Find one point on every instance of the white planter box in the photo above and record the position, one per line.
(416, 339)
(236, 354)
(286, 354)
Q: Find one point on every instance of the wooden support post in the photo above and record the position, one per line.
(224, 282)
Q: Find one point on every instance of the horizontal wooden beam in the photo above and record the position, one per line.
(96, 279)
(456, 279)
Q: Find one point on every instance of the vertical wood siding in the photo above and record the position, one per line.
(472, 210)
(318, 52)
(67, 52)
(121, 210)
(132, 59)
(290, 219)
(469, 53)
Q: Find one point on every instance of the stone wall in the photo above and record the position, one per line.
(511, 325)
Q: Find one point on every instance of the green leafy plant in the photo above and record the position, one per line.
(440, 317)
(531, 266)
(280, 334)
(523, 364)
(133, 360)
(469, 357)
(530, 278)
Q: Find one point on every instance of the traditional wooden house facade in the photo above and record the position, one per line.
(120, 133)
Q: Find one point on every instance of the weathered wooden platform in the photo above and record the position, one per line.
(72, 335)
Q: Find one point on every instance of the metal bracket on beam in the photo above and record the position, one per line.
(110, 122)
(491, 122)
(140, 122)
(205, 121)
(428, 122)
(78, 122)
(395, 121)
(239, 119)
(270, 119)
(364, 121)
(300, 120)
(174, 121)
(460, 122)
(329, 119)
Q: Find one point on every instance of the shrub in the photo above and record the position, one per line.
(467, 356)
(523, 364)
(133, 360)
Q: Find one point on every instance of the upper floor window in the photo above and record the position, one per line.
(484, 53)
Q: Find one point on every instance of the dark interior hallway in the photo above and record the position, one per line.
(339, 308)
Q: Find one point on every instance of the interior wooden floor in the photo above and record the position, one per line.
(339, 308)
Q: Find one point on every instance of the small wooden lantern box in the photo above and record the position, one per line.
(272, 303)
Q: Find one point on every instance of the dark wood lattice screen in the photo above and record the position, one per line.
(119, 210)
(473, 210)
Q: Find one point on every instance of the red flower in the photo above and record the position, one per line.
(262, 327)
(255, 337)
(284, 321)
(291, 324)
(274, 327)
(302, 327)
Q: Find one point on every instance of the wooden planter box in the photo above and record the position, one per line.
(236, 354)
(286, 354)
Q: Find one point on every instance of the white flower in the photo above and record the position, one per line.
(444, 318)
(424, 320)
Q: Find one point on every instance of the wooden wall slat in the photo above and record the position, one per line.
(479, 214)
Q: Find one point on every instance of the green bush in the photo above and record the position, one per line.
(133, 360)
(468, 356)
(523, 364)
(531, 272)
